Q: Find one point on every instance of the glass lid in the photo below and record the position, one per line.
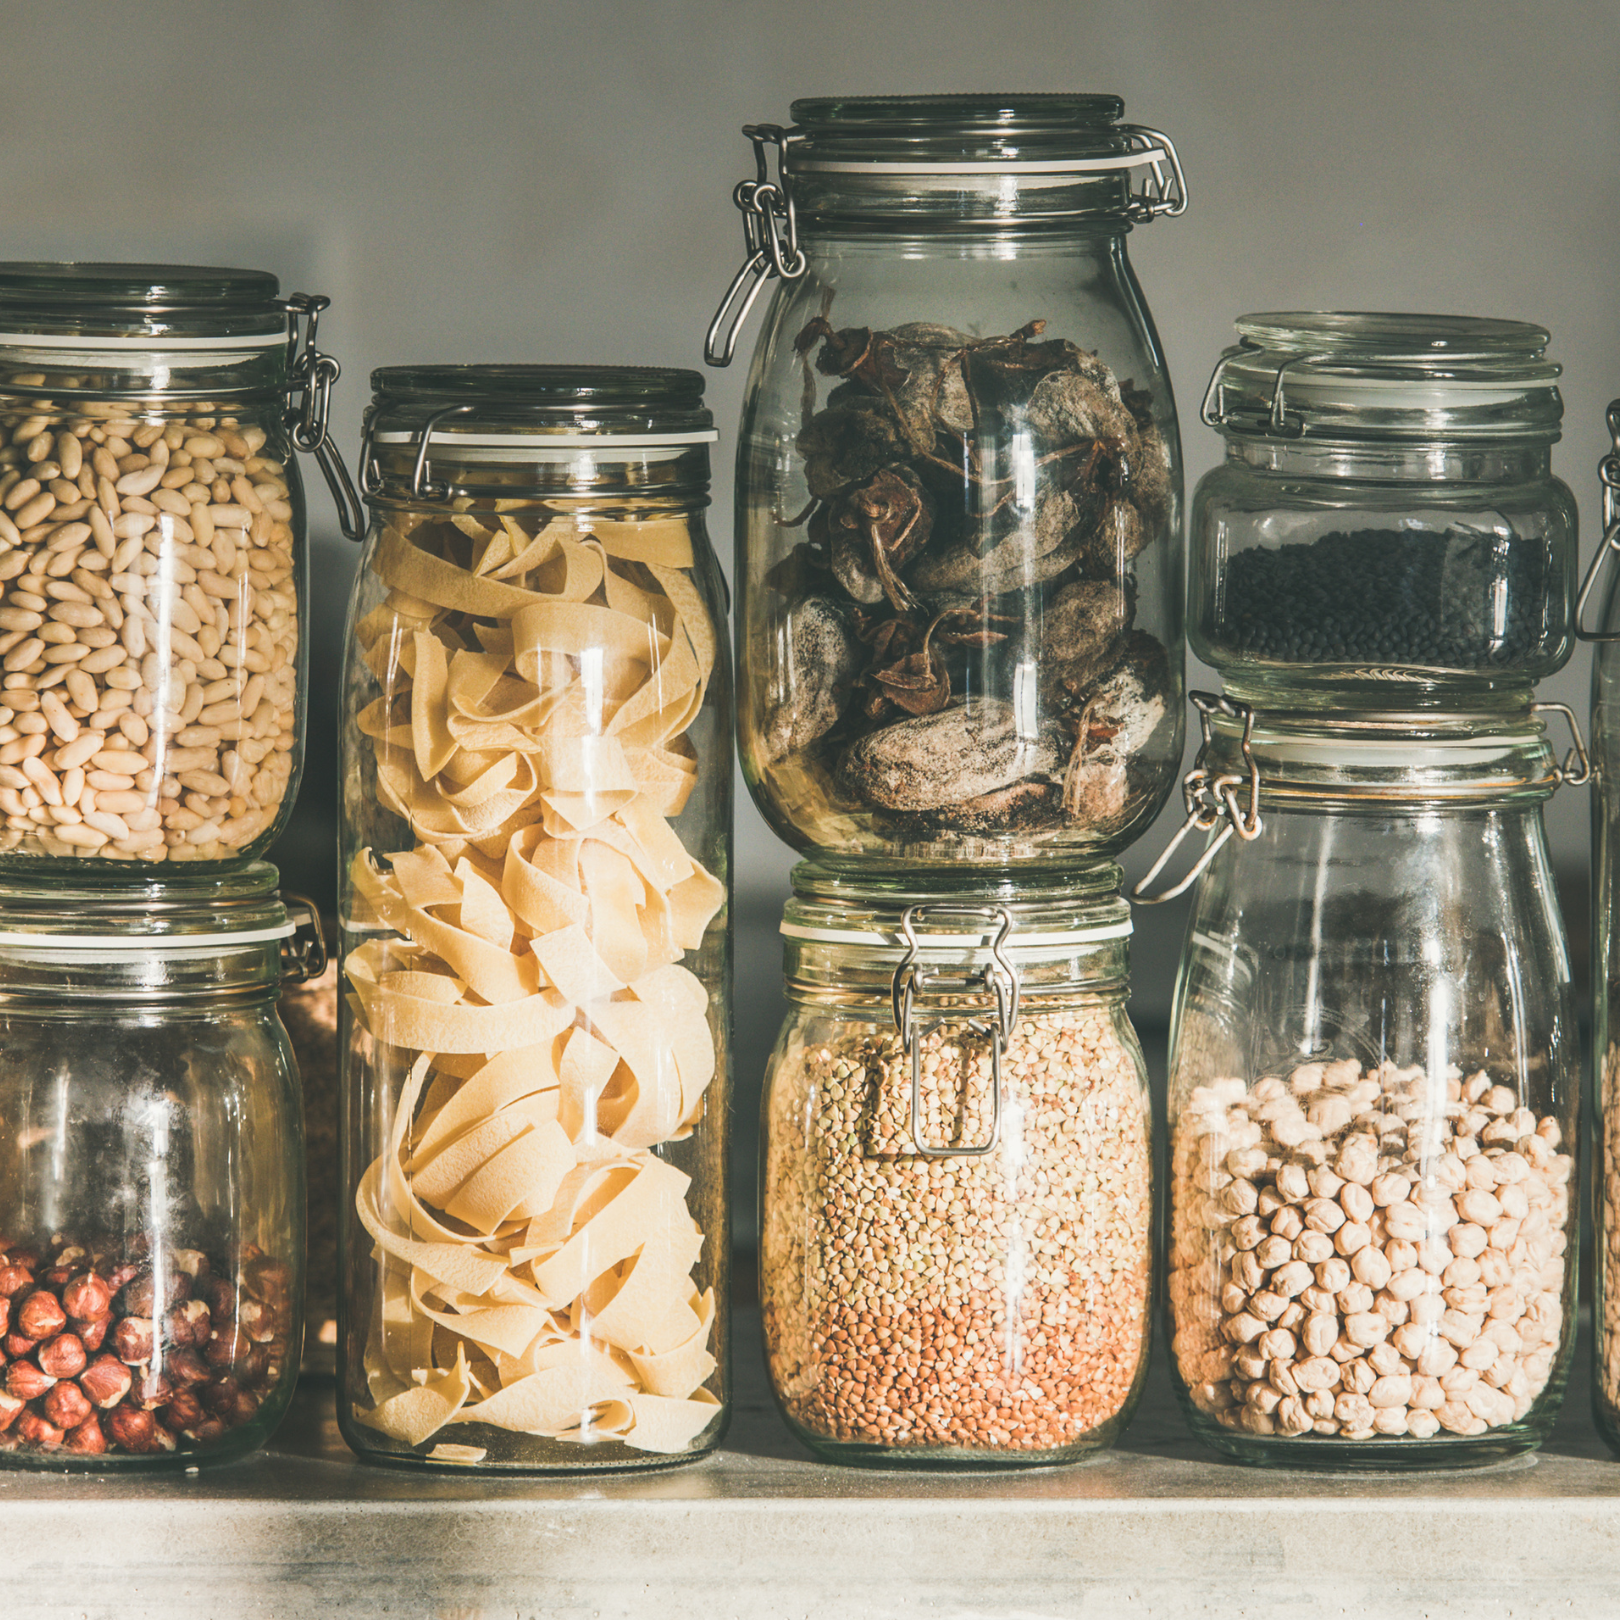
(140, 305)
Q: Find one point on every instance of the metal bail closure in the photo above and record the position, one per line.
(1576, 771)
(303, 952)
(998, 978)
(1211, 799)
(310, 375)
(1609, 545)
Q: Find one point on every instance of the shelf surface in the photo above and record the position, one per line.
(1155, 1528)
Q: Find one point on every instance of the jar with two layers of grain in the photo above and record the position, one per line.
(1385, 531)
(1374, 1096)
(958, 483)
(153, 562)
(536, 848)
(151, 1170)
(956, 1174)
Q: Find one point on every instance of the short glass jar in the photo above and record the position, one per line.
(153, 562)
(1374, 1097)
(536, 849)
(151, 1171)
(958, 502)
(956, 1174)
(1385, 530)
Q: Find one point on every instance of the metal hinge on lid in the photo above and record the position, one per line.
(310, 375)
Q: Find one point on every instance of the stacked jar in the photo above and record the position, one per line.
(1374, 1070)
(536, 848)
(958, 567)
(152, 636)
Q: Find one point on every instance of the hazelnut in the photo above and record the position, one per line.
(28, 1259)
(224, 1346)
(14, 1278)
(26, 1381)
(67, 1406)
(209, 1429)
(94, 1333)
(86, 1297)
(191, 1261)
(185, 1368)
(219, 1295)
(40, 1315)
(141, 1295)
(56, 1278)
(189, 1324)
(269, 1280)
(87, 1439)
(221, 1393)
(63, 1356)
(238, 1409)
(184, 1411)
(18, 1344)
(38, 1431)
(132, 1339)
(152, 1390)
(257, 1320)
(106, 1381)
(5, 1314)
(120, 1274)
(131, 1429)
(69, 1254)
(10, 1406)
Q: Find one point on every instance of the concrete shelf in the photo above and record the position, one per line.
(1156, 1528)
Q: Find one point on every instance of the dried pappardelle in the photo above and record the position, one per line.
(540, 669)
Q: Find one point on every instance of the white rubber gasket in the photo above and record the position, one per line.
(1016, 943)
(561, 441)
(153, 344)
(137, 944)
(1096, 165)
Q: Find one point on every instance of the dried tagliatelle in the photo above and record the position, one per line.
(523, 973)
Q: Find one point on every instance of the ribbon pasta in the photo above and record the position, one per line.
(534, 1254)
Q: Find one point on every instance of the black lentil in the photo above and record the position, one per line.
(1453, 599)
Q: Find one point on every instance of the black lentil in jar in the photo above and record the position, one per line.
(1449, 600)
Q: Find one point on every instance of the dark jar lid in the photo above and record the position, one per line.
(1367, 376)
(437, 433)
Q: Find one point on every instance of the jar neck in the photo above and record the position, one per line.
(1442, 462)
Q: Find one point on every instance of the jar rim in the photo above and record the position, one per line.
(108, 304)
(993, 115)
(190, 912)
(542, 399)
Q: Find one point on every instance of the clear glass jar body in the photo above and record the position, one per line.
(151, 1178)
(980, 1311)
(1385, 530)
(153, 569)
(958, 523)
(1374, 1093)
(534, 1242)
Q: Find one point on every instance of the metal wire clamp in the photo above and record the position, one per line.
(1576, 770)
(310, 375)
(770, 241)
(997, 978)
(1609, 546)
(303, 953)
(1210, 799)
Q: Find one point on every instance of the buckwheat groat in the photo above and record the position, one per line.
(979, 1304)
(148, 633)
(1365, 1253)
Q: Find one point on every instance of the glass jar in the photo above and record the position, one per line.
(536, 850)
(1374, 1091)
(958, 484)
(153, 561)
(956, 1174)
(1386, 529)
(1605, 958)
(151, 1171)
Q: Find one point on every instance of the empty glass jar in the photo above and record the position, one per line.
(1385, 529)
(958, 483)
(956, 1174)
(153, 561)
(1374, 1097)
(151, 1171)
(536, 850)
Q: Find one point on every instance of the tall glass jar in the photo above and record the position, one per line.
(1605, 631)
(958, 484)
(151, 1171)
(1374, 1097)
(536, 853)
(1385, 530)
(956, 1174)
(153, 562)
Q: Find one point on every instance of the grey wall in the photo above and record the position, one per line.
(494, 180)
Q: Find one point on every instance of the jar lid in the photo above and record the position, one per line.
(555, 416)
(181, 307)
(1359, 376)
(202, 913)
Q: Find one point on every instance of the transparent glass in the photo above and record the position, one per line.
(535, 854)
(1386, 528)
(152, 569)
(1374, 1094)
(977, 1311)
(958, 507)
(151, 1181)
